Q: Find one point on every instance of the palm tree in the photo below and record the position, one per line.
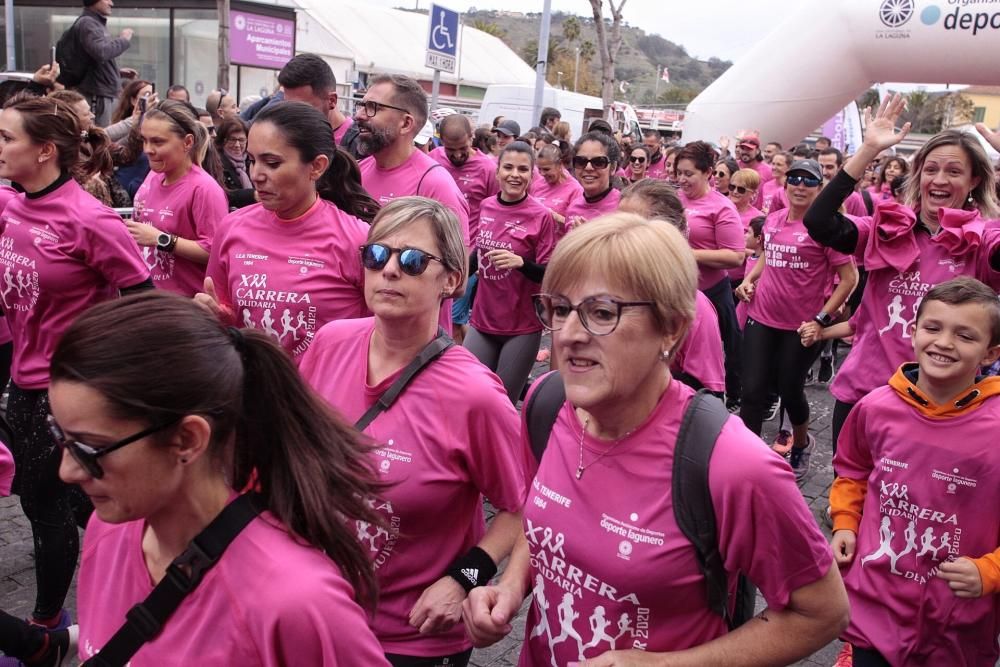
(489, 28)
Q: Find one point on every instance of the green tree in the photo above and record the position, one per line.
(571, 29)
(489, 28)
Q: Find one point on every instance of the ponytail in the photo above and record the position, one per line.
(341, 184)
(156, 356)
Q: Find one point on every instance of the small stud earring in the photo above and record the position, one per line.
(184, 460)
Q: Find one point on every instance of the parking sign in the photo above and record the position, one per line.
(442, 39)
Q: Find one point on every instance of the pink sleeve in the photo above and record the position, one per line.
(218, 271)
(864, 226)
(492, 184)
(546, 240)
(854, 456)
(109, 249)
(729, 234)
(6, 469)
(836, 258)
(441, 187)
(208, 208)
(990, 246)
(762, 518)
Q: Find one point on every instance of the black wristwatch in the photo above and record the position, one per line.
(166, 242)
(823, 319)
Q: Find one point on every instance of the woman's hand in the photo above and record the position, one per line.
(487, 612)
(724, 142)
(810, 333)
(880, 129)
(151, 101)
(144, 235)
(745, 291)
(208, 299)
(439, 606)
(963, 578)
(989, 135)
(844, 543)
(504, 259)
(46, 75)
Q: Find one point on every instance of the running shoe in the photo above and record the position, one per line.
(828, 517)
(733, 405)
(59, 653)
(782, 442)
(772, 411)
(846, 656)
(801, 459)
(810, 377)
(825, 370)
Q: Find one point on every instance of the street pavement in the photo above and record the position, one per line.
(17, 580)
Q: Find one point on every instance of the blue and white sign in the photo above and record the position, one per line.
(442, 39)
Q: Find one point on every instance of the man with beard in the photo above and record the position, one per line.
(476, 176)
(652, 140)
(308, 78)
(389, 118)
(749, 157)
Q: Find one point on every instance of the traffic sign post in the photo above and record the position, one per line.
(442, 45)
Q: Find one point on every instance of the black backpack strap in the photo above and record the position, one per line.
(429, 170)
(866, 197)
(693, 510)
(541, 410)
(431, 351)
(145, 620)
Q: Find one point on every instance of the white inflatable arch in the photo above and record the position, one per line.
(827, 52)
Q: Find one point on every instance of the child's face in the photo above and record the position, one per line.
(752, 242)
(951, 342)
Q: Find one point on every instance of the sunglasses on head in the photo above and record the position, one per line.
(738, 189)
(638, 159)
(808, 181)
(412, 261)
(599, 162)
(87, 456)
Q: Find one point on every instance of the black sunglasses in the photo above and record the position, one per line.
(808, 181)
(88, 456)
(638, 159)
(371, 107)
(412, 261)
(721, 174)
(738, 189)
(599, 162)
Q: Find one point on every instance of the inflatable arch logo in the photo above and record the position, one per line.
(964, 17)
(895, 13)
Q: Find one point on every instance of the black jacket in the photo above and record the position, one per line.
(103, 79)
(238, 195)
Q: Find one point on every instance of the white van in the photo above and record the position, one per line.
(517, 102)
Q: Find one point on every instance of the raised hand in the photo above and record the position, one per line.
(880, 129)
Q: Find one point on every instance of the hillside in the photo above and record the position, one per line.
(637, 61)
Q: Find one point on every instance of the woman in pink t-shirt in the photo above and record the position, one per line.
(611, 573)
(724, 170)
(516, 236)
(773, 191)
(62, 252)
(178, 206)
(596, 157)
(888, 171)
(162, 416)
(940, 231)
(556, 187)
(289, 265)
(449, 439)
(743, 187)
(716, 236)
(789, 288)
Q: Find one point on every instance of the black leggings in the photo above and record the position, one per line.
(866, 657)
(840, 412)
(54, 509)
(455, 660)
(774, 357)
(721, 296)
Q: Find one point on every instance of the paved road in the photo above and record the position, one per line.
(17, 573)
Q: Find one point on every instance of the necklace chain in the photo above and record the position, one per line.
(580, 468)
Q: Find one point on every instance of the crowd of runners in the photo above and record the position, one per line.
(276, 385)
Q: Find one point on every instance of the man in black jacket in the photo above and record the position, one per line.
(102, 83)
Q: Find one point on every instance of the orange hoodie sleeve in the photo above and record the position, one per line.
(989, 572)
(847, 498)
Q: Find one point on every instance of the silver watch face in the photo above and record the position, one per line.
(163, 240)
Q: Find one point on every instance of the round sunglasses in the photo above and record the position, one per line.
(412, 261)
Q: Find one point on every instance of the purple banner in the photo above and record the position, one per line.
(837, 132)
(260, 41)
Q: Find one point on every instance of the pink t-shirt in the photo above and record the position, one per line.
(855, 205)
(742, 306)
(797, 277)
(60, 253)
(290, 277)
(309, 618)
(450, 438)
(6, 470)
(772, 197)
(700, 354)
(763, 169)
(882, 332)
(655, 170)
(932, 497)
(713, 224)
(736, 275)
(191, 208)
(477, 179)
(611, 568)
(338, 134)
(580, 210)
(419, 175)
(503, 298)
(556, 197)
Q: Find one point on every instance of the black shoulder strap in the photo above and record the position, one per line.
(145, 620)
(542, 409)
(429, 170)
(703, 421)
(431, 351)
(867, 198)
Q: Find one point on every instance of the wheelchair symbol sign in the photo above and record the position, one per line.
(443, 34)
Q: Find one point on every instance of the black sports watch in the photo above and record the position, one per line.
(166, 242)
(823, 319)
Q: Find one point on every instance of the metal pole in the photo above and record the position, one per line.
(8, 12)
(435, 89)
(458, 54)
(656, 86)
(543, 56)
(576, 70)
